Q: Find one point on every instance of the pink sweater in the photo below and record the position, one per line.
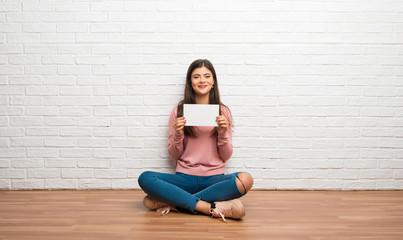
(203, 155)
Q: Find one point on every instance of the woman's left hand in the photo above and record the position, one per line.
(223, 124)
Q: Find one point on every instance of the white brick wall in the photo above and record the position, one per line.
(315, 88)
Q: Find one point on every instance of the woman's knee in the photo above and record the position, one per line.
(244, 182)
(144, 178)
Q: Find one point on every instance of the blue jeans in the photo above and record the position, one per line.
(184, 191)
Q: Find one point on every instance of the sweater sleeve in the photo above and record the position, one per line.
(224, 141)
(175, 141)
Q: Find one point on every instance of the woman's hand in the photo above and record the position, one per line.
(179, 124)
(223, 124)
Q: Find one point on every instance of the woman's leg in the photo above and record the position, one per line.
(174, 189)
(222, 188)
(177, 189)
(225, 187)
(244, 182)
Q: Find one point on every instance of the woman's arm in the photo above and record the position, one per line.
(175, 139)
(224, 142)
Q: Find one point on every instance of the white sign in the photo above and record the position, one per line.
(201, 114)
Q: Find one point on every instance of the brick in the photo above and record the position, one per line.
(40, 49)
(92, 17)
(127, 60)
(91, 37)
(75, 111)
(77, 70)
(11, 70)
(27, 184)
(67, 60)
(12, 173)
(59, 101)
(41, 111)
(43, 153)
(41, 70)
(60, 163)
(75, 91)
(94, 184)
(41, 91)
(110, 132)
(72, 7)
(359, 185)
(49, 38)
(55, 17)
(110, 111)
(127, 121)
(105, 27)
(38, 7)
(127, 143)
(93, 101)
(96, 122)
(75, 132)
(111, 174)
(390, 185)
(376, 174)
(93, 143)
(22, 17)
(125, 184)
(93, 80)
(109, 91)
(73, 48)
(26, 121)
(109, 153)
(91, 60)
(25, 80)
(20, 38)
(108, 70)
(60, 142)
(61, 184)
(77, 173)
(11, 132)
(38, 27)
(107, 6)
(10, 6)
(76, 153)
(10, 27)
(43, 173)
(27, 142)
(60, 121)
(27, 163)
(93, 163)
(5, 184)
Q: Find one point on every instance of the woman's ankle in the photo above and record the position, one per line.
(203, 207)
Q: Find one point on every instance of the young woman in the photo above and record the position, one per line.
(199, 184)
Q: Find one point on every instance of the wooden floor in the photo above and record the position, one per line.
(116, 214)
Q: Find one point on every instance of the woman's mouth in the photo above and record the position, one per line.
(202, 86)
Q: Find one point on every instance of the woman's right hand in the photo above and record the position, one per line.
(179, 124)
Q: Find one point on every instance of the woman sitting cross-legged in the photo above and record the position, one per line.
(199, 184)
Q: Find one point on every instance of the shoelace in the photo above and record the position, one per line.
(221, 211)
(164, 210)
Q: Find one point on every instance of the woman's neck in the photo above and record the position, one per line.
(205, 99)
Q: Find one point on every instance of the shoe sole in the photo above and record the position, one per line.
(153, 204)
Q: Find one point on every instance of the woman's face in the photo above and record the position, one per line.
(202, 81)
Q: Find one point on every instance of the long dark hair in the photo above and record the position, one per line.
(189, 96)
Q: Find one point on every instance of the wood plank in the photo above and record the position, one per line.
(119, 214)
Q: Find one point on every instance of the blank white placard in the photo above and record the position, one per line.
(201, 114)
